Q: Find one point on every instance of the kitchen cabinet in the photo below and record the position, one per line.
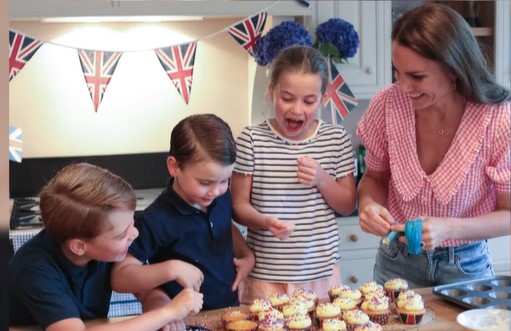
(490, 24)
(370, 69)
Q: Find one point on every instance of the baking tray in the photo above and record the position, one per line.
(491, 292)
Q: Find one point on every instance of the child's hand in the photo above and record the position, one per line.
(243, 267)
(278, 228)
(309, 171)
(175, 326)
(188, 275)
(186, 302)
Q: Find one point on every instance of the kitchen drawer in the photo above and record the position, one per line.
(353, 238)
(356, 271)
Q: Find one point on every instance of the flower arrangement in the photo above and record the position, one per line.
(335, 39)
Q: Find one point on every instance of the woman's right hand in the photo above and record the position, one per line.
(278, 228)
(375, 219)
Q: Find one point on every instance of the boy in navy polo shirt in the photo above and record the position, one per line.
(189, 226)
(62, 276)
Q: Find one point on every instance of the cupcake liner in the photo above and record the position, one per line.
(410, 319)
(379, 318)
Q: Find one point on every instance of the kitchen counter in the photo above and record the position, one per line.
(443, 316)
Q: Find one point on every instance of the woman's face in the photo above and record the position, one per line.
(296, 100)
(425, 81)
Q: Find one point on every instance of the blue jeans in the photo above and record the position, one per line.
(443, 265)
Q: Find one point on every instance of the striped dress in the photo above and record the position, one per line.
(312, 249)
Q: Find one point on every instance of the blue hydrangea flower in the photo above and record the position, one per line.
(287, 33)
(341, 34)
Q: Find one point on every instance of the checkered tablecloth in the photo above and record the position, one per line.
(121, 304)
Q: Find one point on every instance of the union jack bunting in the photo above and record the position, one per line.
(98, 68)
(21, 50)
(15, 141)
(178, 61)
(248, 32)
(339, 100)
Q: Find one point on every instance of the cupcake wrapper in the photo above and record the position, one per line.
(381, 319)
(410, 319)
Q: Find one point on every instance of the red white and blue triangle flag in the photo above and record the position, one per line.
(15, 141)
(178, 62)
(98, 68)
(339, 100)
(248, 32)
(21, 50)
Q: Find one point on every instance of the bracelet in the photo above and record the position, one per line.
(413, 233)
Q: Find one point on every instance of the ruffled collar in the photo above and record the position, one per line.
(407, 173)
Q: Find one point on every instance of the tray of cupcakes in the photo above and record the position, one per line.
(371, 306)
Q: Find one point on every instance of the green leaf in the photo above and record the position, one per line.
(329, 50)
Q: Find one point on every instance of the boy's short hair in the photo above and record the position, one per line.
(75, 203)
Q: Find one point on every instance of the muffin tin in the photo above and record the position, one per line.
(491, 292)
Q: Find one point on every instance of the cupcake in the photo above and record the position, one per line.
(307, 293)
(232, 316)
(278, 300)
(257, 306)
(325, 311)
(334, 324)
(354, 294)
(378, 293)
(299, 322)
(369, 287)
(272, 323)
(410, 309)
(369, 326)
(354, 318)
(345, 303)
(242, 325)
(270, 312)
(294, 307)
(377, 308)
(395, 286)
(335, 290)
(308, 302)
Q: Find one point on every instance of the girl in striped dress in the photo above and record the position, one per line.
(293, 172)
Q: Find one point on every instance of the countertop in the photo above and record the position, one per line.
(443, 316)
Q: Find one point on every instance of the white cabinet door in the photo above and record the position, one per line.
(370, 69)
(502, 43)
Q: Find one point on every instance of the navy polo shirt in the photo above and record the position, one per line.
(171, 229)
(45, 287)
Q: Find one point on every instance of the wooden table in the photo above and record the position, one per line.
(444, 319)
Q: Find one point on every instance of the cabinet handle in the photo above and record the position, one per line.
(354, 237)
(354, 279)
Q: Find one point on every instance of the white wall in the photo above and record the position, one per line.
(50, 102)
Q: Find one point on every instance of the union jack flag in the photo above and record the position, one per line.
(21, 50)
(178, 61)
(15, 141)
(98, 68)
(248, 32)
(339, 100)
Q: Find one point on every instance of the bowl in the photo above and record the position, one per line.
(485, 319)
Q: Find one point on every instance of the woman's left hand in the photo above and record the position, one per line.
(434, 232)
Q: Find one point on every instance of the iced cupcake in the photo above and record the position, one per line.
(395, 286)
(377, 308)
(334, 324)
(309, 303)
(369, 326)
(354, 294)
(272, 323)
(270, 312)
(242, 325)
(345, 303)
(335, 290)
(369, 287)
(354, 318)
(325, 311)
(294, 307)
(307, 293)
(299, 322)
(257, 306)
(410, 309)
(278, 300)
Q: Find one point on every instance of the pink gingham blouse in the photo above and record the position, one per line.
(475, 169)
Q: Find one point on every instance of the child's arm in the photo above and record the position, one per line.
(246, 214)
(131, 275)
(244, 258)
(339, 194)
(186, 302)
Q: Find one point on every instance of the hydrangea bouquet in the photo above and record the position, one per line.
(336, 39)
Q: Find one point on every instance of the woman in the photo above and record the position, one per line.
(437, 148)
